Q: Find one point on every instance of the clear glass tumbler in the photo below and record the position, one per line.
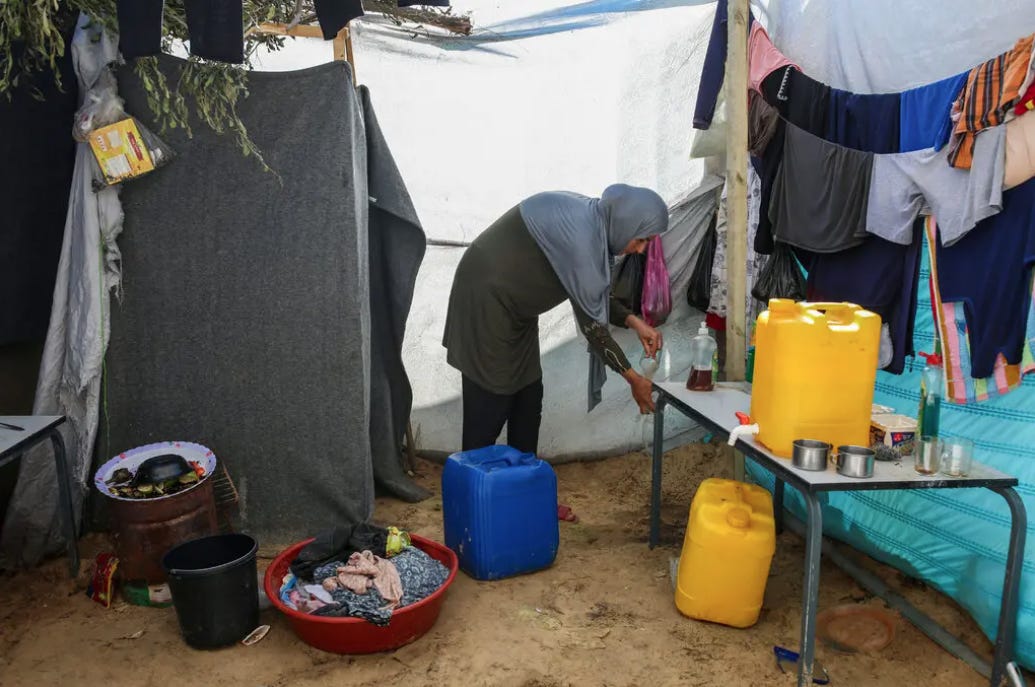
(928, 455)
(957, 456)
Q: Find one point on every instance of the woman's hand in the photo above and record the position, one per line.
(641, 391)
(649, 336)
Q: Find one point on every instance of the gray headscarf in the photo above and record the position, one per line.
(580, 237)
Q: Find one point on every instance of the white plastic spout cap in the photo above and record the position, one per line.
(740, 431)
(703, 331)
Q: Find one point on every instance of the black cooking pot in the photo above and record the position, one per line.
(160, 469)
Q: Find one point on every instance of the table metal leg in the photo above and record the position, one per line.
(655, 478)
(778, 505)
(1004, 639)
(65, 500)
(810, 592)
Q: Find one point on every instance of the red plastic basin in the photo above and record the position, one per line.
(355, 635)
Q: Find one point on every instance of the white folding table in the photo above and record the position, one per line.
(19, 433)
(716, 410)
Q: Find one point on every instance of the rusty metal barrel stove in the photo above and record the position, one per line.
(144, 530)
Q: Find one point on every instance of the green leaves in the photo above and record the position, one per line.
(32, 40)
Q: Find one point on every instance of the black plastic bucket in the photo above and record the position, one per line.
(214, 588)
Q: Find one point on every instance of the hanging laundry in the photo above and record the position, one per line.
(1027, 101)
(868, 122)
(140, 27)
(763, 57)
(334, 15)
(1020, 151)
(881, 276)
(820, 194)
(992, 90)
(428, 3)
(905, 183)
(924, 114)
(216, 29)
(766, 166)
(989, 271)
(951, 325)
(717, 303)
(763, 121)
(800, 99)
(713, 71)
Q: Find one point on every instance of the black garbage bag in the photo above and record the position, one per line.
(627, 282)
(781, 277)
(699, 292)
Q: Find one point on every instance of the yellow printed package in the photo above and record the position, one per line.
(121, 151)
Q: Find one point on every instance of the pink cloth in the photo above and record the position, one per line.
(763, 57)
(364, 569)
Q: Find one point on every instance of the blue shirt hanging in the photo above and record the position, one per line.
(924, 114)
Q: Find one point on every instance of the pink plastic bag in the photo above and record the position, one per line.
(657, 293)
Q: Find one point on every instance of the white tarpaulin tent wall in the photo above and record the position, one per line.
(542, 97)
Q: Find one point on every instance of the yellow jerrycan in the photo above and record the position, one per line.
(815, 367)
(729, 545)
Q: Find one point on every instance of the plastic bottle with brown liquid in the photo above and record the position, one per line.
(704, 353)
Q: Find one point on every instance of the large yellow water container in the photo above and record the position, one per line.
(815, 367)
(729, 545)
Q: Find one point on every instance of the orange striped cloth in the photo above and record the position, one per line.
(992, 90)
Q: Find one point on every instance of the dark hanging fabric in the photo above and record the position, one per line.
(334, 15)
(37, 155)
(216, 29)
(338, 544)
(879, 275)
(140, 27)
(767, 167)
(800, 99)
(989, 270)
(868, 122)
(714, 70)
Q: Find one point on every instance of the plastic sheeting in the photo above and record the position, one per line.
(73, 357)
(540, 98)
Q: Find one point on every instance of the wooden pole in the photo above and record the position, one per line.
(736, 200)
(343, 49)
(736, 189)
(342, 43)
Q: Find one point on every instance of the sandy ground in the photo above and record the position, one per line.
(602, 615)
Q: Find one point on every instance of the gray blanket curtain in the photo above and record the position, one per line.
(263, 315)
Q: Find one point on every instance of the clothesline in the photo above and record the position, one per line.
(882, 159)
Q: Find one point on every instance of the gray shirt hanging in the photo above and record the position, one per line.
(904, 184)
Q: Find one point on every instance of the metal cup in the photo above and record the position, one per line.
(855, 461)
(809, 454)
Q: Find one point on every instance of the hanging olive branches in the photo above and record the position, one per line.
(32, 40)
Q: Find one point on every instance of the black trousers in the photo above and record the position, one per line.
(485, 413)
